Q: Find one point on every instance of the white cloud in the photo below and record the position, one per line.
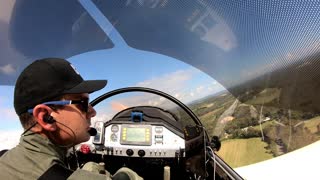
(6, 108)
(8, 113)
(7, 69)
(199, 89)
(6, 10)
(9, 139)
(170, 83)
(176, 84)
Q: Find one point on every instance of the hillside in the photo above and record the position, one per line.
(259, 125)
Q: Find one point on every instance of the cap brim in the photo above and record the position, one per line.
(87, 87)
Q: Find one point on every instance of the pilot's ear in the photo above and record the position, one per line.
(40, 112)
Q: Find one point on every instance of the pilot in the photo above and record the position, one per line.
(52, 102)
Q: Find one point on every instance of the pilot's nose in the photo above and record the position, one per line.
(91, 111)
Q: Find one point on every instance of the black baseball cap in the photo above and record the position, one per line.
(49, 78)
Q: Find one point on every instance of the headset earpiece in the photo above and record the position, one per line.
(48, 119)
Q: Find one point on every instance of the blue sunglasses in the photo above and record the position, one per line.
(84, 104)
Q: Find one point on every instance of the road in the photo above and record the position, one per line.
(221, 123)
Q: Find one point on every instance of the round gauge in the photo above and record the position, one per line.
(113, 137)
(114, 128)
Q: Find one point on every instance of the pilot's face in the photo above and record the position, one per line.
(73, 122)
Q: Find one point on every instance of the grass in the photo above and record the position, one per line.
(312, 124)
(266, 96)
(264, 125)
(241, 152)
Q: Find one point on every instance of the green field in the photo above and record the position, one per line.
(266, 96)
(264, 125)
(241, 152)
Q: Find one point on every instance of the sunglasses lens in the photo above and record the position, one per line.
(85, 105)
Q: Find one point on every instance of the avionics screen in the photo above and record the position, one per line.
(136, 134)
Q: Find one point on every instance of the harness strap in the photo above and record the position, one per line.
(55, 172)
(3, 151)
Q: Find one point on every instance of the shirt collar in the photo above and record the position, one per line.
(37, 143)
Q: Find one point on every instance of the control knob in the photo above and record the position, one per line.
(129, 152)
(141, 153)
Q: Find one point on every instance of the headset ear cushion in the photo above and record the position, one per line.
(48, 119)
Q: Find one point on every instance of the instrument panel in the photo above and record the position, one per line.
(142, 140)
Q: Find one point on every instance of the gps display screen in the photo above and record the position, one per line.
(136, 134)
